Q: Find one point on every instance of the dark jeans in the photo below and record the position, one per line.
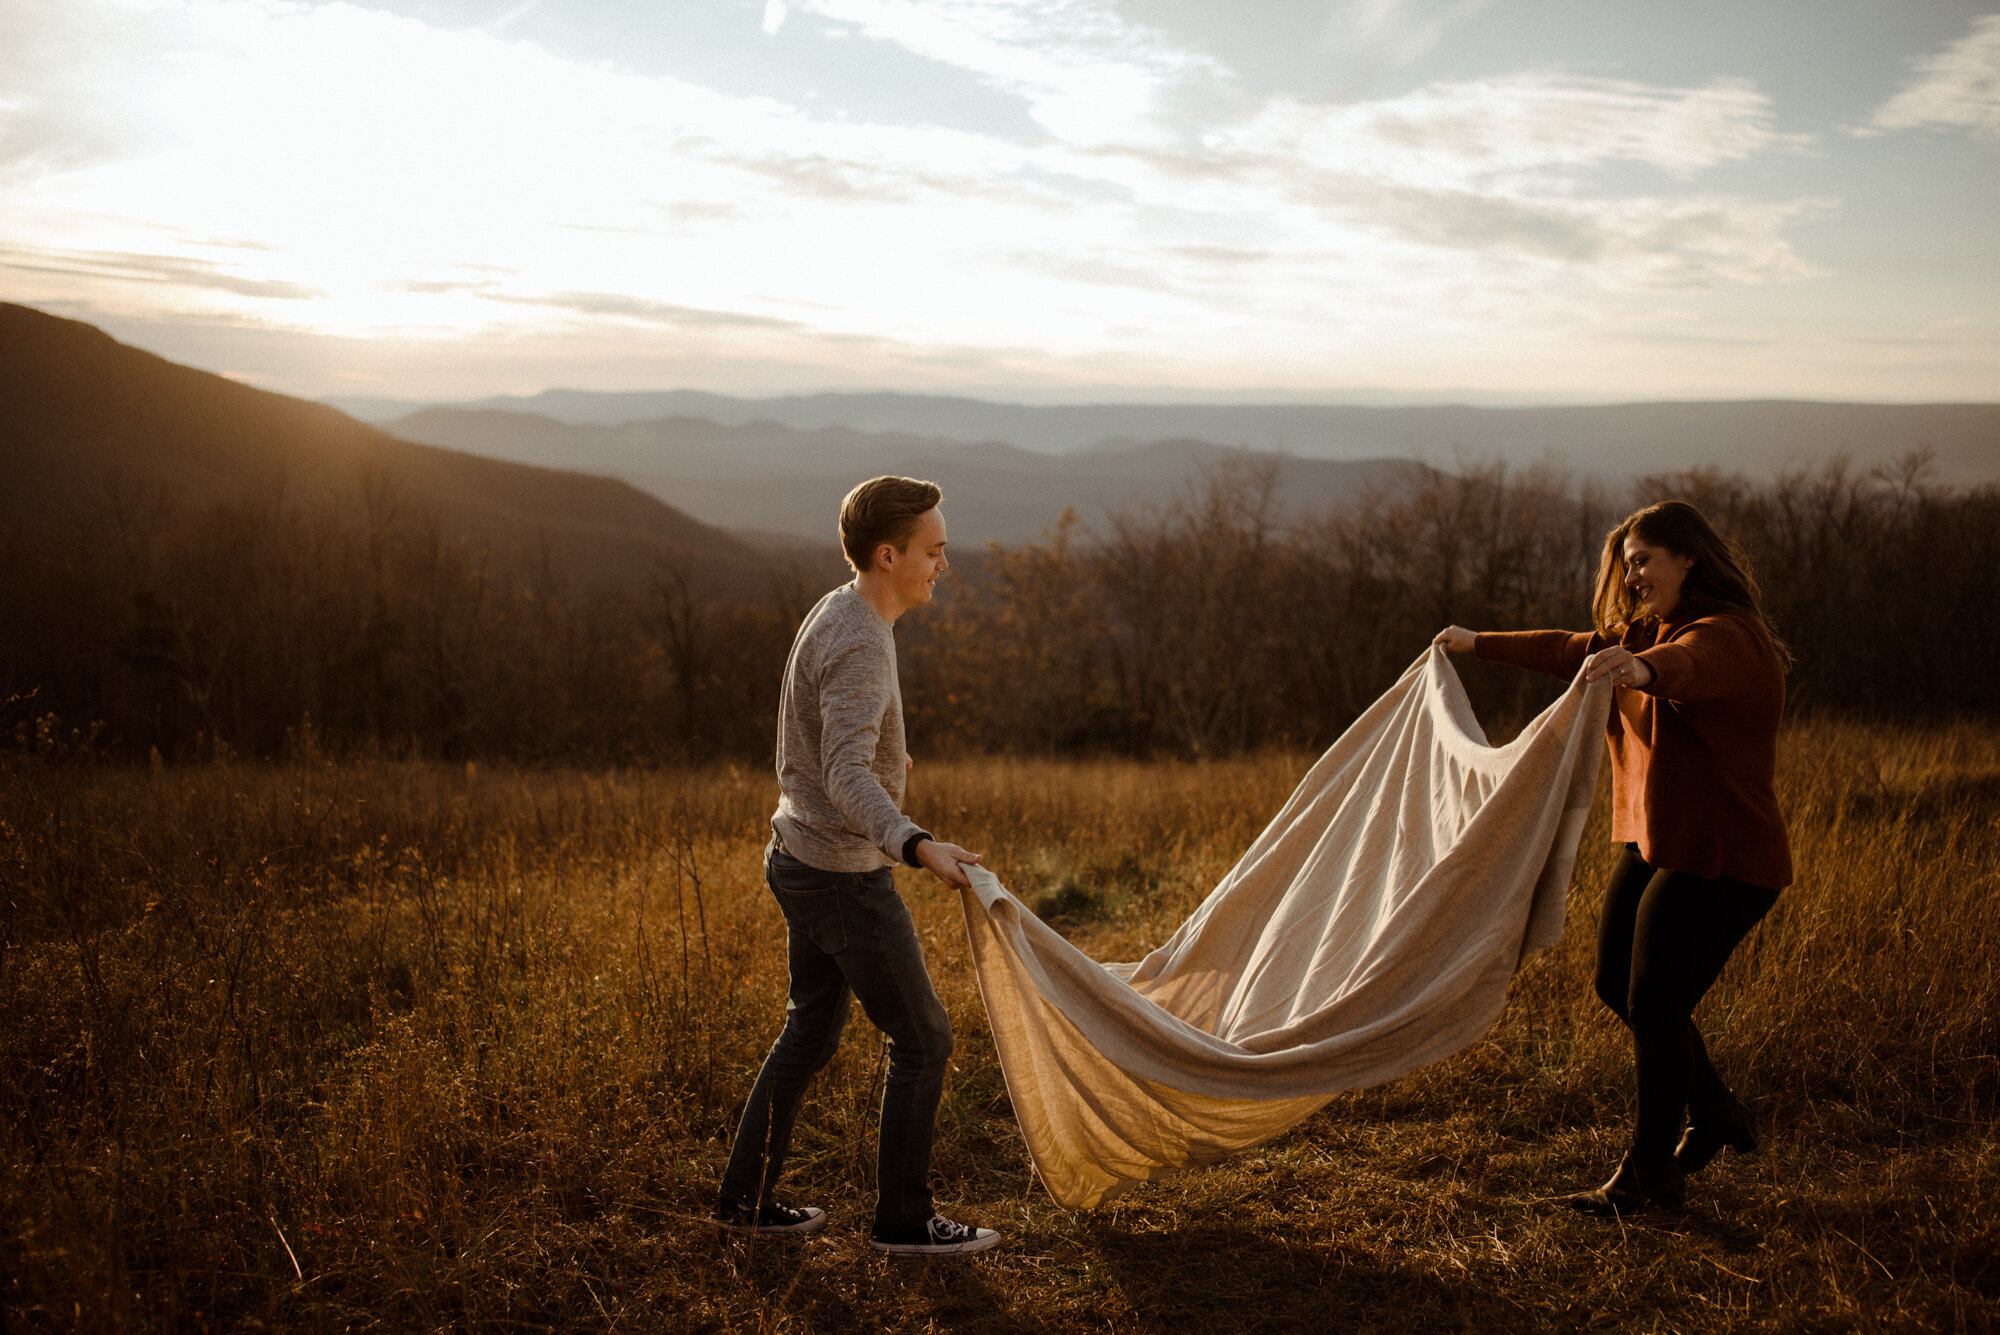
(849, 934)
(1661, 944)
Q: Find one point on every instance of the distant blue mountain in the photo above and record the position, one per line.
(764, 477)
(1759, 437)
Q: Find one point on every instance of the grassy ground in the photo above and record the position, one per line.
(367, 1045)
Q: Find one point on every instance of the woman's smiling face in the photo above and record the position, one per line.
(1655, 574)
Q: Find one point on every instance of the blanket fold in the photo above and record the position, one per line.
(1372, 928)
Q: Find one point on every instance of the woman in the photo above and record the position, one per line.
(1693, 736)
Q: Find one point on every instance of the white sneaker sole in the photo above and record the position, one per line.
(987, 1238)
(813, 1223)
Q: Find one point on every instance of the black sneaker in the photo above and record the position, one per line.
(940, 1237)
(771, 1219)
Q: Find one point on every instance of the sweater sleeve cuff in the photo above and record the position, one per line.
(1666, 665)
(910, 847)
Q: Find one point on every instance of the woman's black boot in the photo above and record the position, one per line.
(1728, 1123)
(1637, 1184)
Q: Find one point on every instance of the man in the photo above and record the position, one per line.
(838, 829)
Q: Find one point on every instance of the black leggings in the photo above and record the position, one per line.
(1661, 943)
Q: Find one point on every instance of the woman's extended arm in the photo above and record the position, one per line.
(1557, 652)
(1716, 658)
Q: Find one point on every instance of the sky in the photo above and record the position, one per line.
(1040, 200)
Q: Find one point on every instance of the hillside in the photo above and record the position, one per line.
(82, 415)
(995, 492)
(1613, 441)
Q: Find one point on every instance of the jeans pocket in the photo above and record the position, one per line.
(810, 901)
(817, 914)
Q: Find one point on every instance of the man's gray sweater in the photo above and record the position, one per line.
(841, 762)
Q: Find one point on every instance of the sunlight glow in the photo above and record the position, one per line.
(343, 170)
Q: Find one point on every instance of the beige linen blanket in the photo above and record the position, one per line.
(1373, 927)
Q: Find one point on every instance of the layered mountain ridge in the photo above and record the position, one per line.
(1613, 441)
(85, 419)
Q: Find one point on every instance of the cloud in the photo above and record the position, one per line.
(1221, 256)
(439, 286)
(71, 80)
(1393, 32)
(1088, 74)
(171, 270)
(820, 176)
(1957, 88)
(1643, 241)
(1500, 170)
(1454, 133)
(1115, 272)
(408, 181)
(652, 312)
(1670, 339)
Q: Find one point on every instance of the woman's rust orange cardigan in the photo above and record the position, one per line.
(1694, 752)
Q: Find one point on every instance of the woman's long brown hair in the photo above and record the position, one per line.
(1718, 581)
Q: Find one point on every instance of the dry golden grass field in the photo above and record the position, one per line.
(368, 1045)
